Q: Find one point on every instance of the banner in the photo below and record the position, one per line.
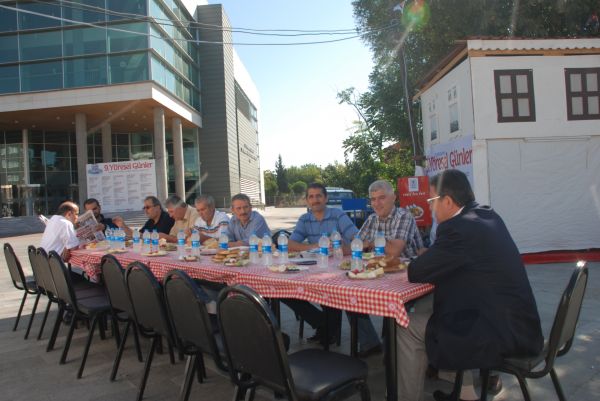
(121, 186)
(413, 193)
(457, 154)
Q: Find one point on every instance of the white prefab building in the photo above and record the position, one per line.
(521, 118)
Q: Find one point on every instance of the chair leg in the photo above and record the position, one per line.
(238, 393)
(63, 358)
(35, 304)
(186, 386)
(20, 310)
(353, 335)
(485, 376)
(250, 393)
(39, 337)
(86, 350)
(201, 368)
(559, 391)
(457, 385)
(101, 327)
(115, 328)
(115, 367)
(59, 317)
(171, 353)
(365, 393)
(301, 328)
(140, 394)
(524, 388)
(136, 338)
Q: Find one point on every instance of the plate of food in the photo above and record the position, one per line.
(345, 265)
(287, 268)
(99, 246)
(117, 250)
(208, 251)
(234, 262)
(211, 243)
(155, 253)
(228, 254)
(367, 274)
(188, 258)
(169, 247)
(389, 264)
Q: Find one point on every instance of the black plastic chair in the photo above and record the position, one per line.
(192, 327)
(113, 276)
(41, 271)
(91, 309)
(150, 313)
(22, 283)
(256, 355)
(558, 344)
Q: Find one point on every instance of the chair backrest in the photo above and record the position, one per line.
(189, 318)
(567, 315)
(43, 270)
(33, 261)
(14, 267)
(113, 276)
(252, 340)
(147, 300)
(62, 280)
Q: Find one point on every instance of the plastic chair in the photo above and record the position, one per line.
(192, 327)
(150, 313)
(21, 282)
(113, 276)
(558, 344)
(41, 271)
(91, 309)
(259, 359)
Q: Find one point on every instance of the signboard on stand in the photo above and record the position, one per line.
(121, 186)
(413, 193)
(457, 154)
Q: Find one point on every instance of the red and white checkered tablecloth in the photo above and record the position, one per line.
(384, 296)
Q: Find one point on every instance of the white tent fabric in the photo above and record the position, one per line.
(547, 191)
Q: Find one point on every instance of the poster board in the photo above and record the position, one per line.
(413, 193)
(457, 154)
(121, 186)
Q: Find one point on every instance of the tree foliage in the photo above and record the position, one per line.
(281, 176)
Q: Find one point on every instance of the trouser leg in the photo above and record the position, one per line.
(367, 335)
(310, 313)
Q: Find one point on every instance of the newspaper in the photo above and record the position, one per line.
(86, 231)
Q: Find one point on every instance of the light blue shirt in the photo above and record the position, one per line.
(256, 224)
(308, 227)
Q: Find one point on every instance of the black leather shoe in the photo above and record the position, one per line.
(371, 351)
(494, 384)
(318, 337)
(442, 396)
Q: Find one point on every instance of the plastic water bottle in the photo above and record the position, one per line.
(122, 236)
(267, 254)
(137, 245)
(336, 242)
(109, 237)
(379, 244)
(154, 237)
(195, 243)
(147, 245)
(323, 251)
(282, 242)
(223, 241)
(357, 250)
(253, 242)
(181, 244)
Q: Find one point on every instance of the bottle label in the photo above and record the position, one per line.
(195, 244)
(254, 248)
(147, 241)
(379, 251)
(181, 242)
(283, 248)
(337, 244)
(356, 254)
(223, 245)
(266, 249)
(136, 240)
(323, 251)
(154, 242)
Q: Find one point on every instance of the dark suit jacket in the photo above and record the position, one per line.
(483, 308)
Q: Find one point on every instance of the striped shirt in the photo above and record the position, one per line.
(308, 227)
(399, 224)
(218, 225)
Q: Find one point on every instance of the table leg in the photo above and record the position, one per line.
(391, 368)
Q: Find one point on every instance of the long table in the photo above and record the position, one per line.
(331, 287)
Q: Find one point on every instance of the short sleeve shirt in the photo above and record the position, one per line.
(256, 224)
(218, 225)
(163, 225)
(399, 224)
(59, 235)
(310, 229)
(186, 223)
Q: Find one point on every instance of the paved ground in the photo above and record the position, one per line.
(27, 372)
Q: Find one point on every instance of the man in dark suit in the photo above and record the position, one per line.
(483, 306)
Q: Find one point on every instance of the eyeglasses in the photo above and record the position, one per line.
(430, 200)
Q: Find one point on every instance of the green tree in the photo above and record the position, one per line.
(280, 173)
(307, 173)
(299, 187)
(270, 184)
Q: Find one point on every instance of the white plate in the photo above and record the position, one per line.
(159, 253)
(208, 251)
(287, 268)
(241, 248)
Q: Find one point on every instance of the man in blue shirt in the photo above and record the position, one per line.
(245, 221)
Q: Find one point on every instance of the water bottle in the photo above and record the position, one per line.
(379, 244)
(147, 246)
(323, 251)
(122, 236)
(336, 242)
(181, 244)
(266, 250)
(253, 242)
(136, 240)
(282, 242)
(195, 243)
(357, 250)
(223, 241)
(109, 237)
(154, 241)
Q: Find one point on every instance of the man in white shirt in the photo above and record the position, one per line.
(59, 235)
(211, 222)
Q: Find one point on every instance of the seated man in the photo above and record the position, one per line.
(245, 221)
(211, 222)
(184, 215)
(320, 219)
(157, 218)
(483, 307)
(103, 222)
(59, 235)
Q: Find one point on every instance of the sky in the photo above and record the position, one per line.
(299, 115)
